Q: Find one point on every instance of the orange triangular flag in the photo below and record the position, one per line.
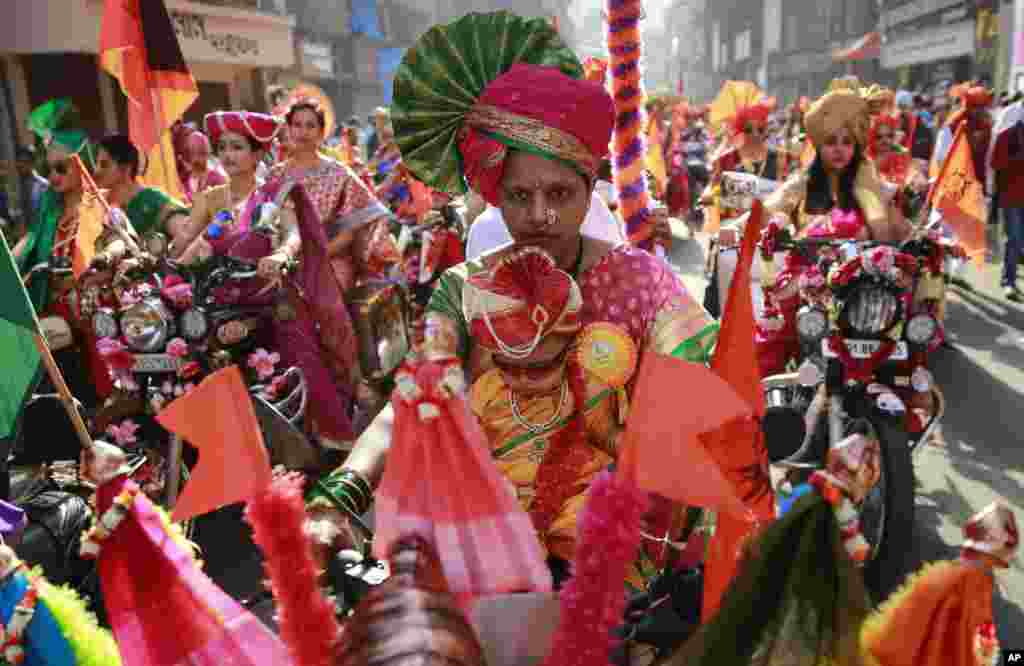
(735, 359)
(661, 449)
(960, 197)
(736, 446)
(217, 417)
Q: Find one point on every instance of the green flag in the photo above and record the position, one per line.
(18, 327)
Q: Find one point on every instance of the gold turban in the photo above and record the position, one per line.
(836, 110)
(848, 109)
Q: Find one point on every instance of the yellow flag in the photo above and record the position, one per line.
(91, 214)
(161, 170)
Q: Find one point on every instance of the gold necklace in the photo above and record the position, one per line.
(538, 429)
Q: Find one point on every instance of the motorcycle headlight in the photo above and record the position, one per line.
(147, 325)
(194, 325)
(871, 310)
(104, 324)
(811, 323)
(921, 329)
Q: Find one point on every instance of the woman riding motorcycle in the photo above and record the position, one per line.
(839, 196)
(275, 225)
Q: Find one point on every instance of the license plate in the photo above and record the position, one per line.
(155, 363)
(865, 348)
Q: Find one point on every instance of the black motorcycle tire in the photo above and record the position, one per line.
(893, 561)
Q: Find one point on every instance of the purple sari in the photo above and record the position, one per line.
(312, 328)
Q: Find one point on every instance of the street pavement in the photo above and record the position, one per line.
(979, 456)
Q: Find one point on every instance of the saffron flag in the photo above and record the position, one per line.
(737, 446)
(661, 448)
(18, 328)
(139, 48)
(217, 417)
(960, 197)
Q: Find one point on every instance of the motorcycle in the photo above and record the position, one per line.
(863, 344)
(168, 332)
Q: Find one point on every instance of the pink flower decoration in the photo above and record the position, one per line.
(109, 346)
(124, 433)
(263, 362)
(812, 279)
(177, 348)
(180, 295)
(880, 261)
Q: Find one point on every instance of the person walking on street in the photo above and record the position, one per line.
(1008, 165)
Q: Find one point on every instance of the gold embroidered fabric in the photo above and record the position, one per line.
(533, 133)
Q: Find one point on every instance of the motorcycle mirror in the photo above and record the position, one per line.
(156, 244)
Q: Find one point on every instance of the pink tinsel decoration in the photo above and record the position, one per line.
(306, 618)
(593, 601)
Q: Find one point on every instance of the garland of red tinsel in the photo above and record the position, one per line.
(307, 621)
(592, 601)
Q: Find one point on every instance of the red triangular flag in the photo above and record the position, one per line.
(217, 417)
(661, 449)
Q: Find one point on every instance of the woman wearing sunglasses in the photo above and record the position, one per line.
(750, 152)
(53, 236)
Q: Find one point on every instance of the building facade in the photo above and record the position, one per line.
(790, 48)
(51, 51)
(928, 43)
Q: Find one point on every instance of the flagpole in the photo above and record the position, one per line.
(94, 190)
(66, 398)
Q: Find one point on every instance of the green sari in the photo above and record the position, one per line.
(39, 246)
(145, 208)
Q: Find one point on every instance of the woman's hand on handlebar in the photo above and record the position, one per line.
(329, 532)
(271, 266)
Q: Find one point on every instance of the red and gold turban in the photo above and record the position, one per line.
(257, 126)
(524, 299)
(539, 110)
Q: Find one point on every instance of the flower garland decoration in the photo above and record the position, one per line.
(833, 492)
(878, 262)
(108, 523)
(629, 144)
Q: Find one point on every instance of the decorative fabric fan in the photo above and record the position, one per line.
(734, 96)
(443, 74)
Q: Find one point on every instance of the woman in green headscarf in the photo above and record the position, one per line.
(53, 234)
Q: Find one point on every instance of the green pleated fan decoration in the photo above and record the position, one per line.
(444, 73)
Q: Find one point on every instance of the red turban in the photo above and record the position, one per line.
(257, 126)
(540, 110)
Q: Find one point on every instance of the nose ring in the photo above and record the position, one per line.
(552, 218)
